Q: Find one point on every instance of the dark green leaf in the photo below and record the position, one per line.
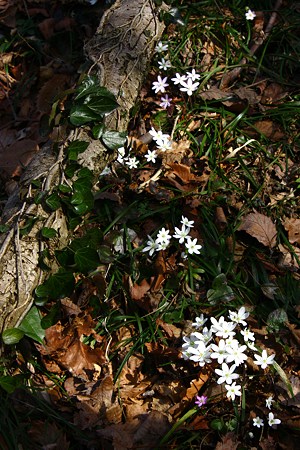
(82, 114)
(10, 383)
(65, 188)
(102, 105)
(52, 317)
(75, 148)
(48, 232)
(4, 228)
(65, 257)
(85, 206)
(58, 285)
(114, 139)
(31, 325)
(98, 130)
(106, 255)
(86, 259)
(89, 86)
(71, 169)
(28, 226)
(53, 201)
(85, 173)
(12, 336)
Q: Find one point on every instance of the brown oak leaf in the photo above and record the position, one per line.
(260, 227)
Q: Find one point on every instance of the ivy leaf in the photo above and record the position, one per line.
(86, 259)
(48, 232)
(31, 325)
(52, 317)
(89, 86)
(60, 284)
(75, 148)
(102, 104)
(98, 131)
(114, 139)
(82, 114)
(10, 383)
(53, 201)
(12, 336)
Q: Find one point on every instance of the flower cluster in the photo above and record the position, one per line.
(162, 141)
(228, 343)
(188, 82)
(164, 237)
(258, 422)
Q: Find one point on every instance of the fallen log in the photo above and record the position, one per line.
(120, 51)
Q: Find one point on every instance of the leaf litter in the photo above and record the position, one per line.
(121, 394)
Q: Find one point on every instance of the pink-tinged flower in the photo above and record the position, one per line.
(160, 85)
(200, 401)
(165, 102)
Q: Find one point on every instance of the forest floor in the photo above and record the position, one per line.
(173, 321)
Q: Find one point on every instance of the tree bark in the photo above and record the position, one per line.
(120, 51)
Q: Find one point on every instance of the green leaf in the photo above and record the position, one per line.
(114, 139)
(86, 259)
(53, 201)
(75, 148)
(28, 226)
(64, 188)
(10, 383)
(65, 257)
(48, 232)
(12, 336)
(102, 104)
(106, 255)
(90, 85)
(4, 228)
(52, 317)
(61, 284)
(82, 114)
(220, 291)
(98, 130)
(31, 325)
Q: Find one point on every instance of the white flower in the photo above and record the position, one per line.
(207, 335)
(189, 87)
(160, 84)
(230, 341)
(264, 360)
(179, 79)
(272, 421)
(185, 221)
(250, 15)
(161, 47)
(163, 236)
(240, 316)
(248, 335)
(193, 75)
(219, 351)
(151, 246)
(236, 354)
(162, 246)
(192, 246)
(132, 163)
(233, 390)
(226, 374)
(222, 328)
(164, 64)
(181, 234)
(258, 422)
(269, 402)
(199, 322)
(121, 155)
(151, 156)
(200, 354)
(165, 102)
(158, 135)
(164, 144)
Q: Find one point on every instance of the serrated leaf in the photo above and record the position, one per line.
(75, 148)
(12, 336)
(82, 114)
(86, 259)
(48, 232)
(114, 139)
(31, 325)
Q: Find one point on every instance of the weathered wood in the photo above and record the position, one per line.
(120, 51)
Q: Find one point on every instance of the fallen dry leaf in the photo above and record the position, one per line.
(292, 226)
(228, 442)
(260, 227)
